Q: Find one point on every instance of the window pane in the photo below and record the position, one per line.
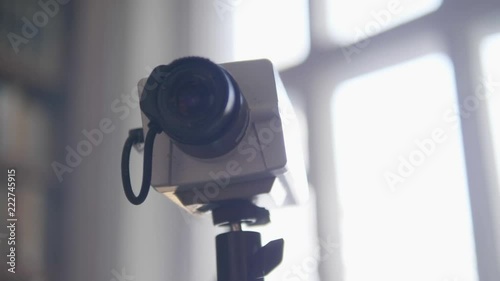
(401, 177)
(490, 58)
(354, 20)
(273, 29)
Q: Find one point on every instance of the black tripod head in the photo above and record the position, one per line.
(240, 256)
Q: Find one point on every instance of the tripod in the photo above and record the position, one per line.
(240, 256)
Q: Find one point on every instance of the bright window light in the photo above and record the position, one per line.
(400, 175)
(273, 29)
(350, 21)
(490, 58)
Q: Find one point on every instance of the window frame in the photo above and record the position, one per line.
(456, 30)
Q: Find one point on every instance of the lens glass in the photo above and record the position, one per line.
(194, 98)
(197, 101)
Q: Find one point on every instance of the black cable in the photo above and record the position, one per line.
(137, 136)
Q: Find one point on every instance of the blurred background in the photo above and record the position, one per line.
(398, 101)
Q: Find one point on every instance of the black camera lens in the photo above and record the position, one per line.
(194, 99)
(197, 103)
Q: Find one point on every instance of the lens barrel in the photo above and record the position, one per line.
(198, 105)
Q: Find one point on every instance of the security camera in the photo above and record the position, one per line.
(225, 132)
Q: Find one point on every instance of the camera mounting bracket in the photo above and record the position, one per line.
(240, 256)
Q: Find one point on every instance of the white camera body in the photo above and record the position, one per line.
(265, 166)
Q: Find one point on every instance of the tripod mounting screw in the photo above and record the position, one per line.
(237, 211)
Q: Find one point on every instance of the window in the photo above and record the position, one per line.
(401, 176)
(351, 21)
(411, 194)
(263, 30)
(490, 58)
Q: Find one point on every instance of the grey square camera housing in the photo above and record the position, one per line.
(267, 164)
